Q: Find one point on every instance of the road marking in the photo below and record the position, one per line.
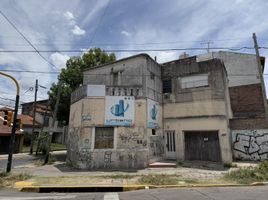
(37, 198)
(111, 196)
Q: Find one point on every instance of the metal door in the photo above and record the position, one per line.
(170, 145)
(202, 145)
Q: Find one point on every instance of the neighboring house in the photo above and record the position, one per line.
(5, 133)
(43, 117)
(196, 110)
(134, 111)
(248, 123)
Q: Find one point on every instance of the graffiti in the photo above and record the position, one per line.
(156, 146)
(128, 136)
(85, 156)
(132, 157)
(251, 145)
(107, 159)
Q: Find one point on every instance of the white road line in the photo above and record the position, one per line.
(111, 196)
(38, 198)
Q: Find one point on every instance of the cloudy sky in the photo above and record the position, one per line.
(118, 24)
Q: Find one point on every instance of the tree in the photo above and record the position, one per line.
(72, 76)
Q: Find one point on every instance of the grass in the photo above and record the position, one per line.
(8, 179)
(54, 147)
(249, 175)
(163, 179)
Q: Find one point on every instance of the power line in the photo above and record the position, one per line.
(132, 50)
(38, 52)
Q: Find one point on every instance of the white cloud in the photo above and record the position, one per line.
(125, 33)
(59, 59)
(68, 15)
(78, 31)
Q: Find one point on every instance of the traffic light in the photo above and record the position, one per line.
(5, 117)
(9, 118)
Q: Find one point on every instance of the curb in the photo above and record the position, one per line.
(25, 186)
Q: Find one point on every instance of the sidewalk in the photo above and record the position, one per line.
(59, 175)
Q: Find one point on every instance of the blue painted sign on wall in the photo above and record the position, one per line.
(119, 110)
(153, 114)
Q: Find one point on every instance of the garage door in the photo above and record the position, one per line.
(202, 145)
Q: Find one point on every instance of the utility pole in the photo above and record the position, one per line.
(34, 111)
(53, 122)
(13, 131)
(256, 46)
(208, 44)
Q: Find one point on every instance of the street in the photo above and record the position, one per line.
(221, 193)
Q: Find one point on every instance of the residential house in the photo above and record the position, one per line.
(134, 111)
(43, 117)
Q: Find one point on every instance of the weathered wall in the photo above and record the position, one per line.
(134, 147)
(201, 124)
(238, 66)
(197, 108)
(250, 144)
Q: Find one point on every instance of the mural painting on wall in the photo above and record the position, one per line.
(250, 144)
(153, 113)
(119, 110)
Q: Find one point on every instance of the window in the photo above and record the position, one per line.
(153, 131)
(152, 76)
(115, 78)
(200, 80)
(167, 86)
(104, 138)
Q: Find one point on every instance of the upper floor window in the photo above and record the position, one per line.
(194, 81)
(167, 86)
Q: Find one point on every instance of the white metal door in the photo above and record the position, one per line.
(170, 145)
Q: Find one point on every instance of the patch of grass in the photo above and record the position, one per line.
(230, 165)
(8, 179)
(250, 174)
(120, 176)
(179, 164)
(158, 179)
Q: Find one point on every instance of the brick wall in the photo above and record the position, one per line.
(247, 101)
(248, 123)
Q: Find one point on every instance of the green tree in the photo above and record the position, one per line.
(72, 76)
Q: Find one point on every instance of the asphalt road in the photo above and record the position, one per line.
(222, 193)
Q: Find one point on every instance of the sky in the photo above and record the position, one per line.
(117, 25)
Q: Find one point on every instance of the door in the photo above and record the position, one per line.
(202, 145)
(170, 145)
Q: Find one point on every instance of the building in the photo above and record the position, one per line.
(108, 125)
(43, 118)
(248, 123)
(135, 111)
(196, 110)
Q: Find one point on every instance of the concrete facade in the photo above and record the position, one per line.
(204, 96)
(133, 146)
(204, 108)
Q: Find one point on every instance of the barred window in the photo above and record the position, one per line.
(104, 137)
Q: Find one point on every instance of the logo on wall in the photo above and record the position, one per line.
(153, 114)
(119, 111)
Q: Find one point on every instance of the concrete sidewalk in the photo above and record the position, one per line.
(59, 175)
